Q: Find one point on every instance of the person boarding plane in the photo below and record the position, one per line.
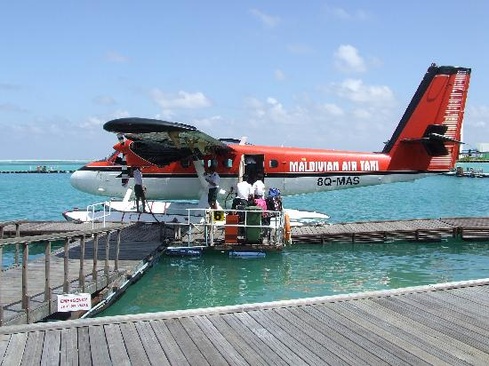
(173, 156)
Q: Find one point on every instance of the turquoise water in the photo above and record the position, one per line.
(301, 270)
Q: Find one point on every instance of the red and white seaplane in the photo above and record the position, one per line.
(173, 156)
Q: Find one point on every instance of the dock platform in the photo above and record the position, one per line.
(443, 324)
(465, 228)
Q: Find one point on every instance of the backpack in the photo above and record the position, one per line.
(273, 192)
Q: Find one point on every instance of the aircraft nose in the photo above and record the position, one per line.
(75, 179)
(83, 180)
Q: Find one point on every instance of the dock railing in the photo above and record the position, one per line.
(267, 224)
(98, 211)
(9, 299)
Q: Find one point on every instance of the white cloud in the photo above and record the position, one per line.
(182, 100)
(347, 59)
(265, 19)
(332, 109)
(356, 91)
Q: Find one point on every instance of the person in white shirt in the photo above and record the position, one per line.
(213, 179)
(259, 187)
(243, 192)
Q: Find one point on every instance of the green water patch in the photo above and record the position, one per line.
(300, 271)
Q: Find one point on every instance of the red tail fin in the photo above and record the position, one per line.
(428, 135)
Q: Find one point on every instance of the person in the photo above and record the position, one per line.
(213, 179)
(243, 192)
(139, 189)
(259, 187)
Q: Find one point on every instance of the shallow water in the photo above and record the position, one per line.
(300, 271)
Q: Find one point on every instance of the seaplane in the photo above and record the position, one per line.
(173, 157)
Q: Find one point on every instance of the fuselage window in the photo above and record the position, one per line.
(273, 163)
(212, 162)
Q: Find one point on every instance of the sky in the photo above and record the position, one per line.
(322, 74)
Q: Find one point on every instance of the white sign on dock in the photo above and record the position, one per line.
(74, 302)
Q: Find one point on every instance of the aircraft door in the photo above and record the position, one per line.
(252, 165)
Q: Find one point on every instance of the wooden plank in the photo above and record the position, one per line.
(151, 344)
(385, 337)
(172, 349)
(227, 336)
(292, 337)
(116, 345)
(321, 333)
(203, 343)
(16, 348)
(4, 341)
(98, 346)
(33, 348)
(69, 347)
(407, 331)
(185, 342)
(345, 335)
(463, 316)
(433, 340)
(447, 332)
(84, 356)
(134, 347)
(226, 350)
(273, 340)
(51, 348)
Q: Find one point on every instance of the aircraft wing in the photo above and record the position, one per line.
(162, 142)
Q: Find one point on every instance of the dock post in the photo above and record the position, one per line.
(66, 282)
(27, 309)
(47, 274)
(117, 250)
(81, 273)
(1, 269)
(25, 285)
(106, 266)
(95, 259)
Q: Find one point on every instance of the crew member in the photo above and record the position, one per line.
(244, 192)
(213, 179)
(139, 189)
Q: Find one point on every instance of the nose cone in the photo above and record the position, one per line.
(84, 180)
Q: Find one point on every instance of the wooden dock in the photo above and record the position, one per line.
(443, 324)
(465, 228)
(88, 260)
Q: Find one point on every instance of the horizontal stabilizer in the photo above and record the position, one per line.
(434, 140)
